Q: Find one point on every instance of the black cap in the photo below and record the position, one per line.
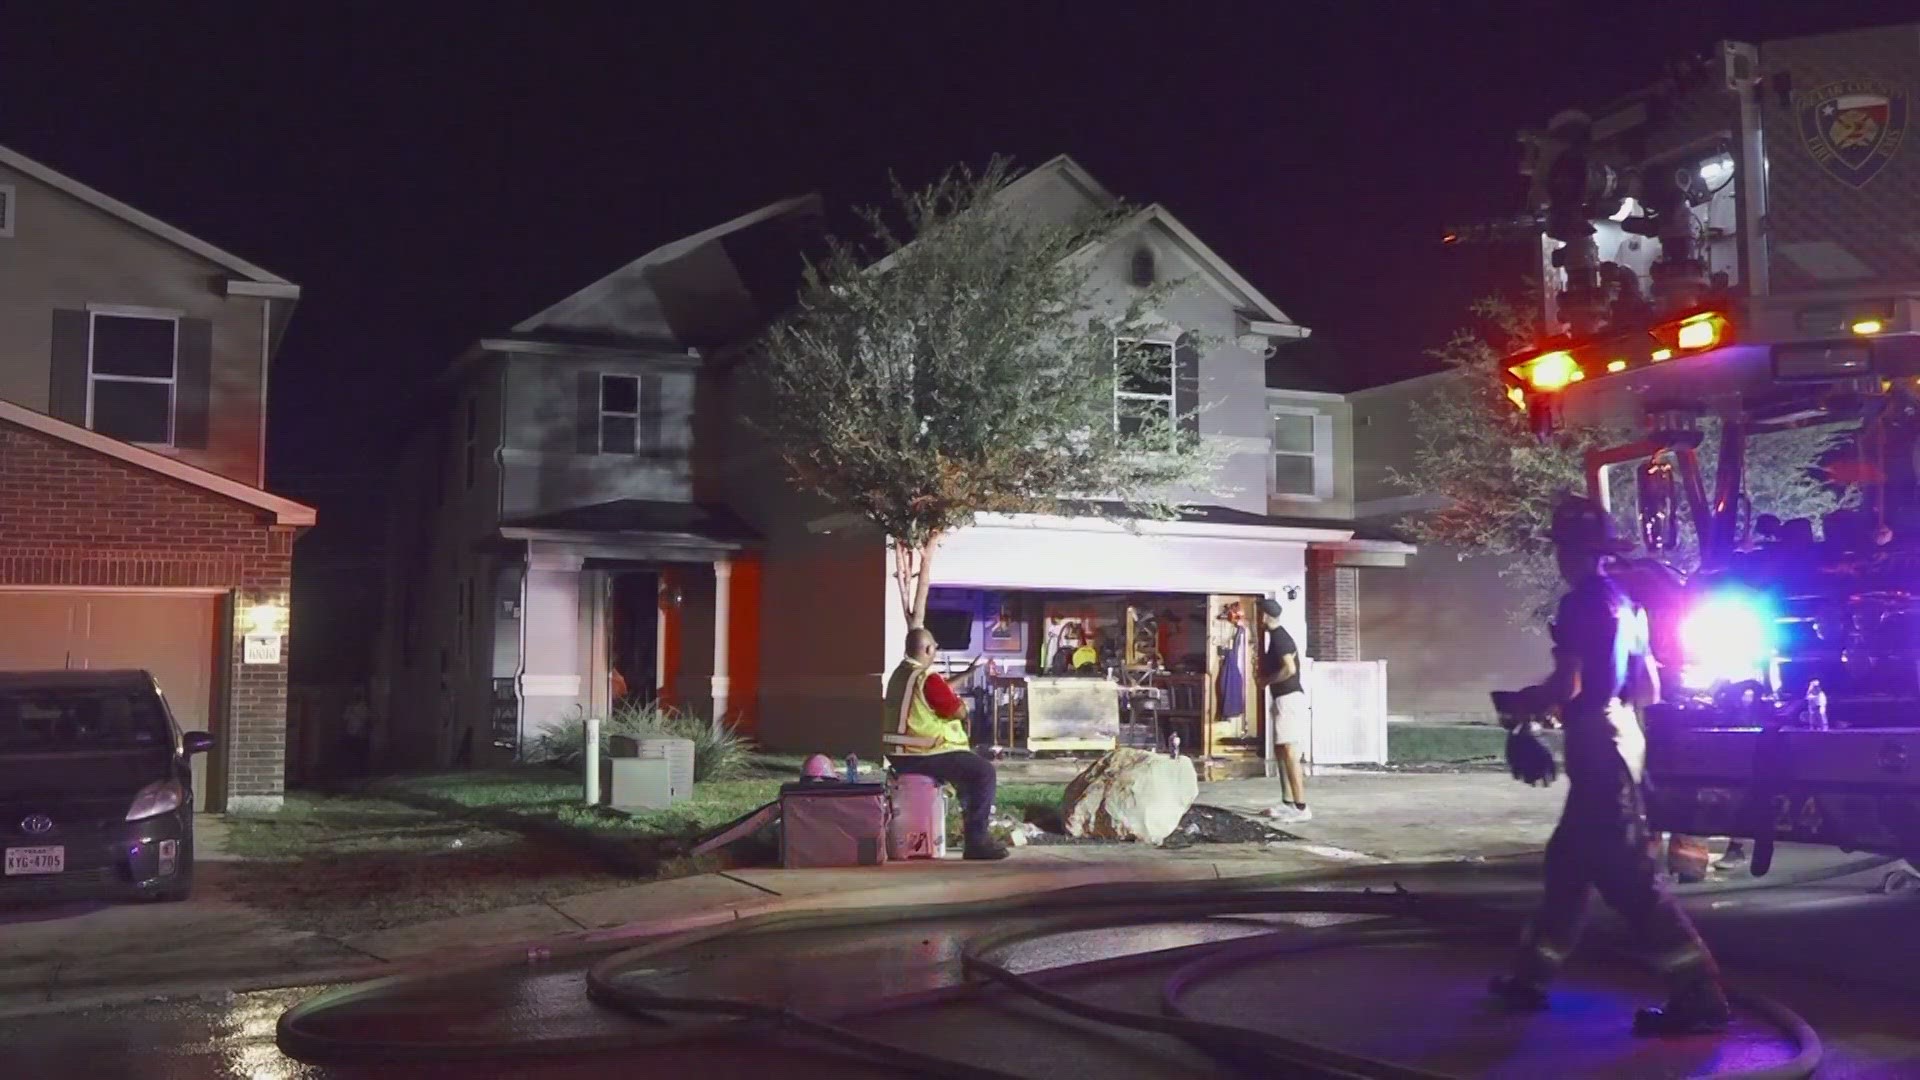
(1580, 522)
(1270, 608)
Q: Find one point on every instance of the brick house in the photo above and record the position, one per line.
(134, 528)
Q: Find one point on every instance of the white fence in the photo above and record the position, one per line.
(1347, 702)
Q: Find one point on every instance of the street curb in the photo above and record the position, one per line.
(197, 988)
(573, 945)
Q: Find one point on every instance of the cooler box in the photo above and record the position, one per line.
(833, 824)
(919, 826)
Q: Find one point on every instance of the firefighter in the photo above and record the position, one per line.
(1601, 673)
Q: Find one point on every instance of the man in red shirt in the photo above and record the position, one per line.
(927, 736)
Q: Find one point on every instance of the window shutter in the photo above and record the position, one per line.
(1322, 456)
(587, 423)
(67, 386)
(193, 384)
(1186, 387)
(650, 415)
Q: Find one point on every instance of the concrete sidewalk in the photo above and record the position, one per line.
(87, 954)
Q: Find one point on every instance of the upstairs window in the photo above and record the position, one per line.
(132, 376)
(6, 209)
(1146, 391)
(1302, 454)
(619, 414)
(622, 414)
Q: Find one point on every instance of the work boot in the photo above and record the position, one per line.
(1700, 1012)
(1517, 994)
(988, 850)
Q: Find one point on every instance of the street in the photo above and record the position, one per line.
(1838, 952)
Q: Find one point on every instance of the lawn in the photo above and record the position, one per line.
(403, 850)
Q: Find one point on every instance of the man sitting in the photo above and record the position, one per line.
(927, 736)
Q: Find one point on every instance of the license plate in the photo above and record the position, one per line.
(36, 860)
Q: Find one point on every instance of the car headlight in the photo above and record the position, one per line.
(1727, 638)
(159, 797)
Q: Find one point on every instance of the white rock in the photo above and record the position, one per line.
(1130, 794)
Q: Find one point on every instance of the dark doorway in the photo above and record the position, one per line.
(632, 636)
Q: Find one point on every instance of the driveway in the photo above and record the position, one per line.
(65, 950)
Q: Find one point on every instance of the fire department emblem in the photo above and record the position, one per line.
(1853, 127)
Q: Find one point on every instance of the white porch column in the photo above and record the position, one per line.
(551, 679)
(722, 602)
(660, 638)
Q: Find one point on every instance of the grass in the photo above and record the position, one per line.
(409, 849)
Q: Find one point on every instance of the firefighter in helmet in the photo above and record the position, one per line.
(1601, 674)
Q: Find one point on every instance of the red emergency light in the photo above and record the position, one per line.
(1533, 376)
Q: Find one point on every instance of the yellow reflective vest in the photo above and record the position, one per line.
(912, 725)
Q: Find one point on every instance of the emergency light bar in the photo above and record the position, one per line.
(1533, 376)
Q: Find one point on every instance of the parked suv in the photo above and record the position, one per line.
(96, 793)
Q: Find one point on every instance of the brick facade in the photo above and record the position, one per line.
(76, 518)
(1333, 608)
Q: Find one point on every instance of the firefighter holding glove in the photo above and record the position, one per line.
(1602, 671)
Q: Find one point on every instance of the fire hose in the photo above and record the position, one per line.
(1401, 917)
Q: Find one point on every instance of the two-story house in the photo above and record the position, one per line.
(1043, 593)
(598, 515)
(135, 531)
(551, 550)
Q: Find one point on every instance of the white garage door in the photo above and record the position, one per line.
(172, 635)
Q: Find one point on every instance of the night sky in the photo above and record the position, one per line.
(431, 176)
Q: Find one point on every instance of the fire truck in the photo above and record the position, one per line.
(1729, 254)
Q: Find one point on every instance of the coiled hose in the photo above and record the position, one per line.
(609, 983)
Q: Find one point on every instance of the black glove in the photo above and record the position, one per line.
(1529, 757)
(1518, 708)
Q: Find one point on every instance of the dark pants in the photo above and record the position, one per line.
(1601, 844)
(969, 773)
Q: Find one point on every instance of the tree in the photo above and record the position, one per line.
(965, 362)
(1500, 482)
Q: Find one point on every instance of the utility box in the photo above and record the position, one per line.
(677, 753)
(659, 774)
(641, 783)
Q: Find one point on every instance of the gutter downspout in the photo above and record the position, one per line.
(526, 564)
(266, 365)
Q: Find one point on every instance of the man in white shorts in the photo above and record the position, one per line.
(1280, 674)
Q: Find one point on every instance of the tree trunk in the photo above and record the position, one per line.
(919, 613)
(912, 578)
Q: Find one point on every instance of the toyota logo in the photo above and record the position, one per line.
(35, 824)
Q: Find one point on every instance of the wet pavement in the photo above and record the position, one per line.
(1842, 955)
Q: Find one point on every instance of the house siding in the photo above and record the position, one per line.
(65, 255)
(433, 668)
(1444, 623)
(73, 518)
(546, 467)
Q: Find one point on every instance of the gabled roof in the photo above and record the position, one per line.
(284, 511)
(635, 273)
(1065, 167)
(61, 182)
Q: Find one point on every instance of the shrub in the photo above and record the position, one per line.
(719, 750)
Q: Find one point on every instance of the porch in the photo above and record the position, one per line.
(626, 601)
